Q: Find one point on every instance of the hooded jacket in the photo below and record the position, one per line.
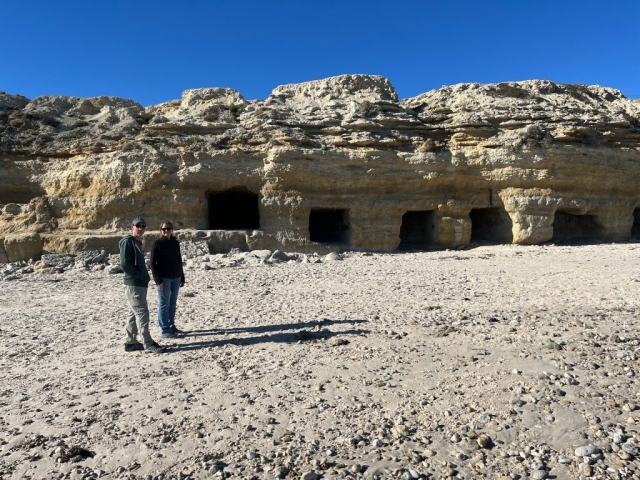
(132, 262)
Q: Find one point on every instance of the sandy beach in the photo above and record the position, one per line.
(493, 362)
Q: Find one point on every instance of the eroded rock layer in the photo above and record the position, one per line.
(338, 163)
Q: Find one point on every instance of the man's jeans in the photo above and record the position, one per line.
(167, 299)
(138, 316)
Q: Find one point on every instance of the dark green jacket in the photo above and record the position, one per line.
(132, 262)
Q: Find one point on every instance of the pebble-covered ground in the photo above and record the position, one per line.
(495, 362)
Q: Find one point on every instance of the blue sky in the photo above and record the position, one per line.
(150, 51)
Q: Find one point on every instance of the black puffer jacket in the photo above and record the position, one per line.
(166, 259)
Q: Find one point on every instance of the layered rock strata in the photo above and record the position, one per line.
(332, 164)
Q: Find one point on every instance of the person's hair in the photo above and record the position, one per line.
(168, 224)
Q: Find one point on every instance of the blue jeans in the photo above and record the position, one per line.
(167, 299)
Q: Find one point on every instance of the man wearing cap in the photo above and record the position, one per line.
(136, 281)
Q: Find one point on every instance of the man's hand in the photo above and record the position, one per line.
(160, 286)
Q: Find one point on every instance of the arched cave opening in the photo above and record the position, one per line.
(328, 225)
(491, 225)
(568, 228)
(635, 229)
(417, 230)
(233, 209)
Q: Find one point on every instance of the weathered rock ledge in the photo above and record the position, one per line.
(332, 164)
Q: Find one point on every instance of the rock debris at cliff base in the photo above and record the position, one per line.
(497, 362)
(512, 162)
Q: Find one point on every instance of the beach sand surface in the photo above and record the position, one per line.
(492, 362)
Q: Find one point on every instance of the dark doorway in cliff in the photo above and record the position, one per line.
(570, 228)
(417, 230)
(233, 209)
(329, 226)
(635, 229)
(490, 225)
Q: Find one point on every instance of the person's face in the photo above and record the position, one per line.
(167, 230)
(138, 230)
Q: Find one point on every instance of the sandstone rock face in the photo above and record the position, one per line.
(327, 165)
(22, 246)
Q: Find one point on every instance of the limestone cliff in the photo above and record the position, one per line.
(338, 163)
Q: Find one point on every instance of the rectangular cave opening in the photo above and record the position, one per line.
(233, 209)
(328, 225)
(635, 229)
(491, 225)
(568, 227)
(417, 230)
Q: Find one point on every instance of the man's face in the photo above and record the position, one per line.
(138, 229)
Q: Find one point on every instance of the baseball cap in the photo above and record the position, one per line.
(138, 220)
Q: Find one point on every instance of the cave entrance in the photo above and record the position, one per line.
(568, 227)
(329, 226)
(417, 230)
(491, 225)
(635, 229)
(233, 209)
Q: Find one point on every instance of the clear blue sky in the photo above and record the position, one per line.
(150, 51)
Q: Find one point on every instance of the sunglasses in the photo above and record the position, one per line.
(141, 226)
(166, 229)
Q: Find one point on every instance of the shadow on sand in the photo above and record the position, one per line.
(264, 334)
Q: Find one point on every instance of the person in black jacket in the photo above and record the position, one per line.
(168, 275)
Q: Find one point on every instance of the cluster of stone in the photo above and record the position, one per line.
(196, 256)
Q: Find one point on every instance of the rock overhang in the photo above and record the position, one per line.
(338, 143)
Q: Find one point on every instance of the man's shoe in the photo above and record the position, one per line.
(178, 332)
(154, 348)
(168, 335)
(133, 347)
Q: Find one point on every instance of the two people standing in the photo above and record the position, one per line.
(166, 266)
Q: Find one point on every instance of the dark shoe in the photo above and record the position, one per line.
(178, 332)
(133, 347)
(154, 349)
(168, 335)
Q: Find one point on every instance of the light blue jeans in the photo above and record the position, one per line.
(167, 300)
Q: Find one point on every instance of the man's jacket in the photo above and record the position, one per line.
(132, 262)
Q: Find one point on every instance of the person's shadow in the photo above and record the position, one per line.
(268, 333)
